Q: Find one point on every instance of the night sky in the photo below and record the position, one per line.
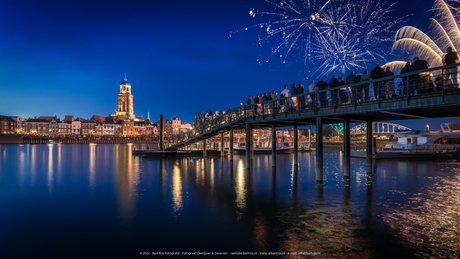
(69, 57)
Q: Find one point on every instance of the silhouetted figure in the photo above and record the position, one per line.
(321, 85)
(423, 82)
(351, 79)
(300, 91)
(449, 59)
(389, 84)
(376, 73)
(408, 81)
(366, 86)
(342, 91)
(334, 91)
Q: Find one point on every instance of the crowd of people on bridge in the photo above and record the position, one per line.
(354, 88)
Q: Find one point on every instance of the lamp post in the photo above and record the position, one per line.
(428, 127)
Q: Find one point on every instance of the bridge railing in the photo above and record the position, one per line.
(209, 125)
(413, 85)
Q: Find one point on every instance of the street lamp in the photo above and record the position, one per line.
(428, 126)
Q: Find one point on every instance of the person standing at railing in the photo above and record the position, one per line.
(450, 58)
(389, 84)
(265, 106)
(275, 102)
(285, 94)
(293, 95)
(334, 92)
(376, 73)
(359, 88)
(321, 85)
(301, 91)
(311, 89)
(423, 82)
(408, 81)
(342, 91)
(256, 106)
(365, 86)
(351, 79)
(270, 104)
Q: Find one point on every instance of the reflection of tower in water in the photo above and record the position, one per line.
(177, 189)
(127, 181)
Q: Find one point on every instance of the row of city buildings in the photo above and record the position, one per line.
(96, 126)
(122, 122)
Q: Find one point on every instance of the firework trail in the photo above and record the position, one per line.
(327, 36)
(445, 33)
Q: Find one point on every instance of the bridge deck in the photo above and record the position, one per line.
(438, 103)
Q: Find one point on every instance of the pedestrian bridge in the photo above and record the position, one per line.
(435, 100)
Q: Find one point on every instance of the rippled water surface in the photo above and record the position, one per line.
(88, 201)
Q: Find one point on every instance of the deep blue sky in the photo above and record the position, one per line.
(69, 57)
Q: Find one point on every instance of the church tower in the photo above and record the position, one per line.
(125, 102)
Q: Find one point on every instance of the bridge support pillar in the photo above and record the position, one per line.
(222, 144)
(248, 145)
(319, 149)
(273, 145)
(346, 150)
(205, 153)
(231, 145)
(369, 148)
(296, 145)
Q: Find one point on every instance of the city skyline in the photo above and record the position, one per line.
(70, 58)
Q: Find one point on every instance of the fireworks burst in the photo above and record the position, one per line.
(328, 36)
(445, 33)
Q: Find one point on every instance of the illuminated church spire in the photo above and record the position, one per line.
(125, 101)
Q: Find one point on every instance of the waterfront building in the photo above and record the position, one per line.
(151, 130)
(65, 126)
(88, 127)
(108, 128)
(176, 125)
(167, 126)
(125, 102)
(119, 128)
(99, 128)
(37, 127)
(76, 127)
(128, 128)
(7, 125)
(53, 126)
(18, 123)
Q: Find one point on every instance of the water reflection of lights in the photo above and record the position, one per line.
(59, 166)
(240, 186)
(260, 233)
(22, 173)
(430, 221)
(127, 181)
(33, 164)
(211, 174)
(50, 175)
(92, 165)
(177, 189)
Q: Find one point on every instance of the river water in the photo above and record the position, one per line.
(97, 201)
